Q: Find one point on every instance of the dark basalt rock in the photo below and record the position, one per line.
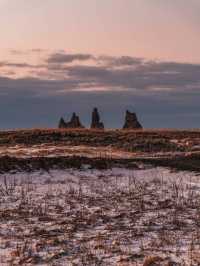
(73, 123)
(96, 123)
(131, 121)
(62, 123)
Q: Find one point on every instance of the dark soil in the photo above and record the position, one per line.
(184, 163)
(190, 163)
(46, 163)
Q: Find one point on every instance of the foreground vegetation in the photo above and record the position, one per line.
(85, 197)
(131, 140)
(91, 217)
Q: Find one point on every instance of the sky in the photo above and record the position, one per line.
(61, 56)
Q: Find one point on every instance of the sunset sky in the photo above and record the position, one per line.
(59, 56)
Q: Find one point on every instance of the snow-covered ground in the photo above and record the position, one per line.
(52, 150)
(93, 217)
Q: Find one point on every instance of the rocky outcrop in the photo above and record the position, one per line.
(96, 122)
(131, 121)
(62, 123)
(73, 123)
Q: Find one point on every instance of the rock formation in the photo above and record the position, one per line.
(131, 121)
(62, 123)
(96, 122)
(73, 123)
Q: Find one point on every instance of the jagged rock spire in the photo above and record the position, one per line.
(96, 122)
(62, 123)
(73, 123)
(131, 121)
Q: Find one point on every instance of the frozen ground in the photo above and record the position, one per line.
(92, 217)
(57, 150)
(52, 150)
